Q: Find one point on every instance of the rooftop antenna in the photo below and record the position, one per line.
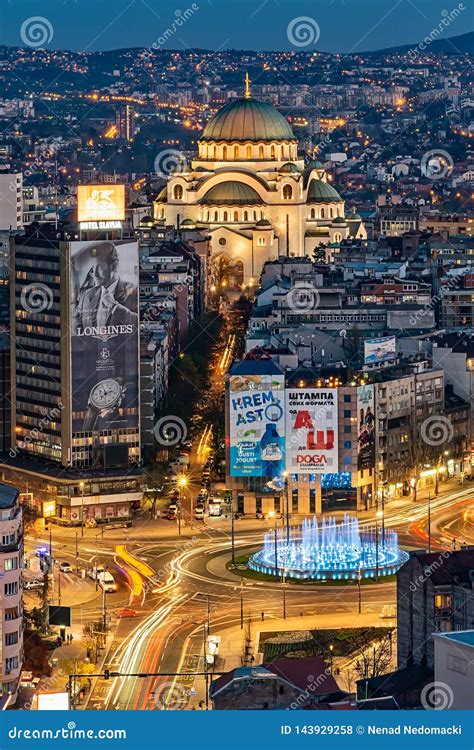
(247, 86)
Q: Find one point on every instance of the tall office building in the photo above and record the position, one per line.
(125, 122)
(11, 200)
(75, 365)
(11, 600)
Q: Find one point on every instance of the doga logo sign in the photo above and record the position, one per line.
(311, 435)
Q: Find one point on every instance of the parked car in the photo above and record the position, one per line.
(199, 513)
(65, 567)
(171, 515)
(173, 508)
(203, 493)
(32, 584)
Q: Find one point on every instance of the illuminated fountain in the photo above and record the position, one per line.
(329, 550)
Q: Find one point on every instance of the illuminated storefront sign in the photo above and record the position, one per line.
(96, 203)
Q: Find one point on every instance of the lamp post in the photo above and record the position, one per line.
(241, 603)
(429, 522)
(232, 521)
(81, 485)
(359, 589)
(331, 647)
(383, 517)
(182, 482)
(284, 593)
(272, 514)
(287, 508)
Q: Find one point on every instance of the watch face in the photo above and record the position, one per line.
(105, 394)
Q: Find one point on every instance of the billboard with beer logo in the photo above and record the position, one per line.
(311, 430)
(104, 336)
(100, 203)
(257, 425)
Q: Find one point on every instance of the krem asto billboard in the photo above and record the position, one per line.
(104, 338)
(257, 425)
(311, 430)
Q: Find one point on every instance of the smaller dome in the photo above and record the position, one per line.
(231, 193)
(263, 223)
(354, 216)
(187, 223)
(339, 220)
(147, 220)
(321, 192)
(315, 164)
(289, 168)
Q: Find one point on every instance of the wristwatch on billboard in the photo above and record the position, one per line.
(105, 396)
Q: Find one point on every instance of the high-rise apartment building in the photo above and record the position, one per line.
(11, 600)
(125, 122)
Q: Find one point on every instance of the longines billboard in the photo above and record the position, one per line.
(104, 339)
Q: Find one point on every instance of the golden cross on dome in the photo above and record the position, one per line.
(247, 86)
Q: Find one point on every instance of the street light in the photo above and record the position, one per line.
(331, 647)
(272, 514)
(287, 508)
(241, 603)
(182, 482)
(81, 485)
(284, 593)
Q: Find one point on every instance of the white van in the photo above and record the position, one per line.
(215, 507)
(107, 581)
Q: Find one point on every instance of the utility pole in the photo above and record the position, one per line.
(77, 554)
(284, 593)
(429, 522)
(359, 590)
(81, 485)
(104, 611)
(376, 542)
(287, 508)
(241, 603)
(232, 519)
(383, 517)
(276, 549)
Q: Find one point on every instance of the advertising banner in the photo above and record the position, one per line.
(380, 350)
(104, 338)
(100, 203)
(365, 427)
(257, 425)
(311, 430)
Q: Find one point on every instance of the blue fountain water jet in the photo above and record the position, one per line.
(329, 550)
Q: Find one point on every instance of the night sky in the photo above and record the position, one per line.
(343, 25)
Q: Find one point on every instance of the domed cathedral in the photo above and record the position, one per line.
(251, 193)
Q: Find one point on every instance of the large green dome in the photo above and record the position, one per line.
(247, 120)
(321, 192)
(231, 193)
